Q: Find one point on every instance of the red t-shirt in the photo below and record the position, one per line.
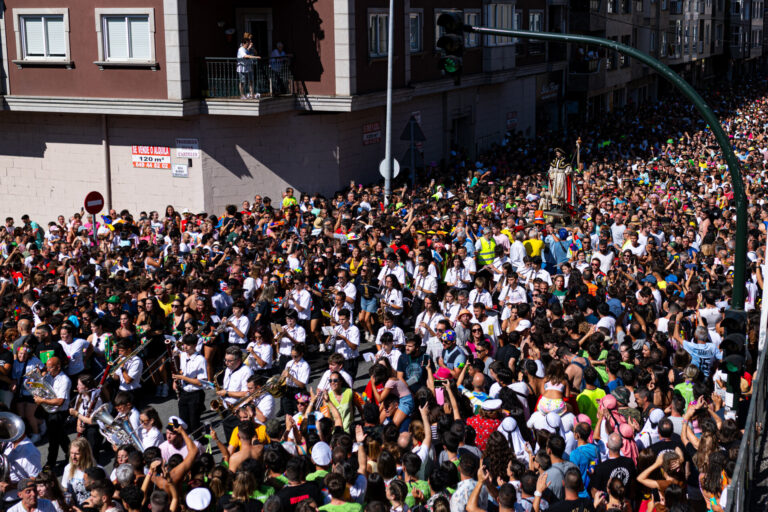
(484, 427)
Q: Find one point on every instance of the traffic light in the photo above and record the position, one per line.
(452, 44)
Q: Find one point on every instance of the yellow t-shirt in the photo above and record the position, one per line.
(166, 306)
(261, 436)
(533, 247)
(289, 201)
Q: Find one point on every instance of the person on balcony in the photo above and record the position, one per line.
(278, 63)
(245, 59)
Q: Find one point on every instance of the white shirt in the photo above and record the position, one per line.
(299, 336)
(397, 335)
(429, 283)
(266, 404)
(398, 272)
(304, 300)
(491, 329)
(351, 292)
(516, 254)
(236, 381)
(431, 320)
(298, 370)
(75, 352)
(392, 297)
(61, 386)
(242, 324)
(606, 260)
(469, 264)
(353, 334)
(482, 296)
(24, 461)
(264, 351)
(151, 437)
(511, 295)
(393, 356)
(455, 277)
(324, 385)
(133, 367)
(43, 505)
(193, 367)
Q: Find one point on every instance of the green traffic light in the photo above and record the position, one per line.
(450, 65)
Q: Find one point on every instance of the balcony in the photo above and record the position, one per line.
(222, 80)
(587, 75)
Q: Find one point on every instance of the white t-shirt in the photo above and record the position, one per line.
(75, 353)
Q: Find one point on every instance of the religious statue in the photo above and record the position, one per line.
(559, 169)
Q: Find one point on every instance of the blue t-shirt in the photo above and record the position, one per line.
(586, 457)
(702, 355)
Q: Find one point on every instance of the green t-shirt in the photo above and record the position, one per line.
(263, 493)
(420, 485)
(346, 507)
(316, 475)
(587, 401)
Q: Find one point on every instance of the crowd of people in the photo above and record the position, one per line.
(509, 360)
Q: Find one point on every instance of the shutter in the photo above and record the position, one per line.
(57, 46)
(34, 37)
(116, 38)
(140, 37)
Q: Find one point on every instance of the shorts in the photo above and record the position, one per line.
(407, 405)
(245, 77)
(369, 305)
(547, 405)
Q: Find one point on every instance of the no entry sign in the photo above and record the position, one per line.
(94, 202)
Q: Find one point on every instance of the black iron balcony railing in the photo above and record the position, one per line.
(223, 77)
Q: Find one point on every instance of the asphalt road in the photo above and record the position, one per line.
(166, 407)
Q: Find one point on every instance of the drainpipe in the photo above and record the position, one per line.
(107, 161)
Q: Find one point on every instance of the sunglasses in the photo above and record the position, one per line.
(477, 330)
(333, 380)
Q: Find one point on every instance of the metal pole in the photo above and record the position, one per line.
(764, 308)
(739, 264)
(93, 229)
(388, 136)
(413, 154)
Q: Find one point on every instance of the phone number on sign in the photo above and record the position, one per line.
(151, 162)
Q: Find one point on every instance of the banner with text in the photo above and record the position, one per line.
(151, 157)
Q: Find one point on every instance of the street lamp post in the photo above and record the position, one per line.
(739, 266)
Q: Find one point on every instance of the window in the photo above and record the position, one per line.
(378, 32)
(126, 36)
(663, 47)
(718, 35)
(472, 18)
(654, 41)
(42, 36)
(624, 59)
(663, 5)
(416, 38)
(499, 16)
(517, 24)
(535, 21)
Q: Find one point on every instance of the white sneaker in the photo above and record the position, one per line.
(322, 347)
(258, 95)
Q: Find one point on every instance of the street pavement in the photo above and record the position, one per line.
(166, 407)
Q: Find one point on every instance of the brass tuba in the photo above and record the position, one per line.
(118, 430)
(11, 430)
(35, 384)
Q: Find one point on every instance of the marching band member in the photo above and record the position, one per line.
(263, 406)
(349, 289)
(296, 376)
(392, 269)
(88, 400)
(259, 355)
(129, 374)
(291, 335)
(187, 384)
(125, 409)
(299, 300)
(238, 324)
(392, 298)
(78, 350)
(102, 342)
(427, 325)
(346, 339)
(389, 327)
(57, 434)
(339, 301)
(234, 385)
(150, 432)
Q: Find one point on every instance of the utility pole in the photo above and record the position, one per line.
(388, 136)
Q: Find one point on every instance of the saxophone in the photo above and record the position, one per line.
(35, 384)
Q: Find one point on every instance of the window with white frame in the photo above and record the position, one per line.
(42, 35)
(126, 36)
(499, 16)
(472, 18)
(378, 34)
(415, 28)
(535, 21)
(517, 23)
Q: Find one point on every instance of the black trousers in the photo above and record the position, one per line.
(350, 366)
(191, 406)
(57, 436)
(288, 400)
(94, 438)
(229, 423)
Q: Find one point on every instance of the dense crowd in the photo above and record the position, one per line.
(510, 360)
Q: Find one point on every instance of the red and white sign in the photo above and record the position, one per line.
(151, 157)
(94, 202)
(512, 120)
(371, 133)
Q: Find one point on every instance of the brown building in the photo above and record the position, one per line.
(142, 100)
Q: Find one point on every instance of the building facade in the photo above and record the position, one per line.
(143, 102)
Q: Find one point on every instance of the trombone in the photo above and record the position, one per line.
(120, 362)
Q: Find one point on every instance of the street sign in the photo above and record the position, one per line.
(383, 168)
(418, 135)
(94, 202)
